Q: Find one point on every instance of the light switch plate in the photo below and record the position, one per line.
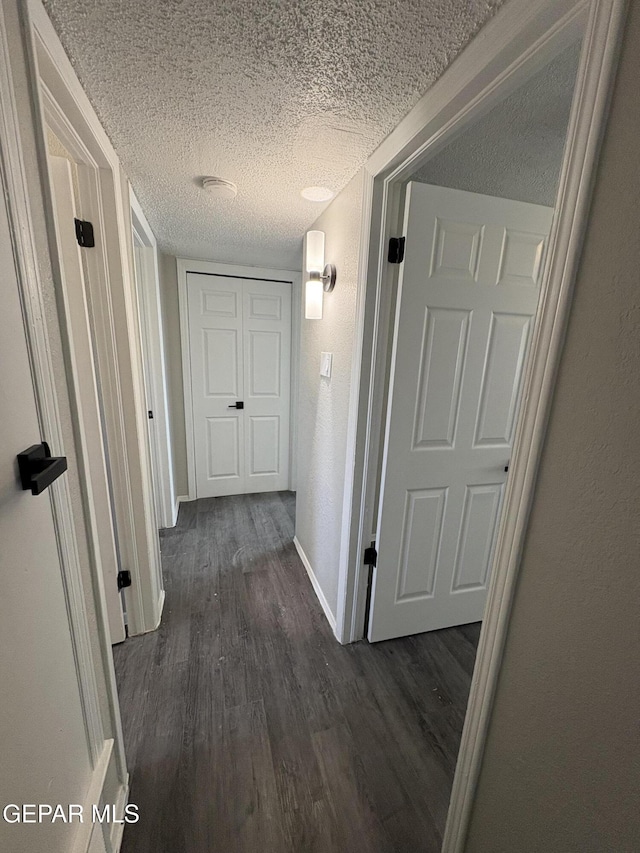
(326, 360)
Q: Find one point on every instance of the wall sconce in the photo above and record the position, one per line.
(321, 278)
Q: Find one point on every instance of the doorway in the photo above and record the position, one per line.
(65, 178)
(465, 302)
(237, 326)
(97, 301)
(446, 148)
(463, 99)
(147, 285)
(240, 352)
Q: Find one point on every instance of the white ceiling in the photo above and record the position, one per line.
(275, 95)
(515, 151)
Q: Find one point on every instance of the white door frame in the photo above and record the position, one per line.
(64, 106)
(148, 291)
(521, 38)
(29, 223)
(72, 297)
(294, 277)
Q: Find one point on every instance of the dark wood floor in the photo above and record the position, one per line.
(249, 728)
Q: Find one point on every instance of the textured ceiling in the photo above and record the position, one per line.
(515, 151)
(274, 95)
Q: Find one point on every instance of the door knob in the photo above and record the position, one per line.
(238, 405)
(38, 468)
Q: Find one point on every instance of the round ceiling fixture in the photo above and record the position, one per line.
(317, 194)
(219, 188)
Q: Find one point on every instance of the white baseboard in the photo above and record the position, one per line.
(176, 508)
(161, 598)
(117, 829)
(331, 619)
(95, 836)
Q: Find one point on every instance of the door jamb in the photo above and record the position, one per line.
(65, 106)
(154, 360)
(294, 277)
(522, 37)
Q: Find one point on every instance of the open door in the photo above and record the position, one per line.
(83, 367)
(467, 298)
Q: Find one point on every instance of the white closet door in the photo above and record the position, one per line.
(240, 351)
(467, 297)
(267, 384)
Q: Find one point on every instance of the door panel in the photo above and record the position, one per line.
(467, 296)
(264, 364)
(444, 345)
(421, 538)
(220, 365)
(479, 520)
(223, 447)
(240, 342)
(265, 441)
(503, 366)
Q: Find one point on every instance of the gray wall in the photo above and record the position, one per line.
(324, 403)
(173, 357)
(561, 770)
(516, 150)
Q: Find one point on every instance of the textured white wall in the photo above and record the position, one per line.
(516, 150)
(561, 771)
(324, 403)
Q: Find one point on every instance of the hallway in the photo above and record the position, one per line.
(249, 728)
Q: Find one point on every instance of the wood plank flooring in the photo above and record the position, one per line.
(249, 728)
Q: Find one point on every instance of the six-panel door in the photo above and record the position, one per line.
(240, 350)
(467, 298)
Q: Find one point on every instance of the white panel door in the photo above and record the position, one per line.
(467, 297)
(240, 352)
(45, 755)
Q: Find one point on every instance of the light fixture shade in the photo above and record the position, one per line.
(315, 251)
(313, 299)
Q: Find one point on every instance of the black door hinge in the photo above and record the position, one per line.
(150, 414)
(370, 556)
(370, 560)
(124, 579)
(84, 234)
(396, 250)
